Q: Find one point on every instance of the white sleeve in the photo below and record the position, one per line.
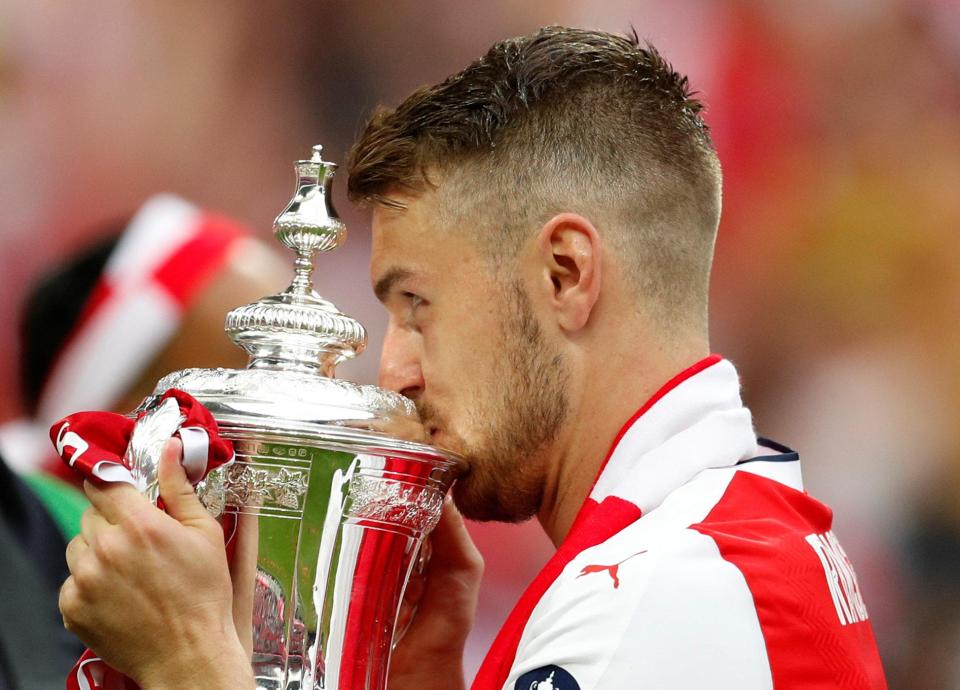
(680, 618)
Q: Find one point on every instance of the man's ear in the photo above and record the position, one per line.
(570, 252)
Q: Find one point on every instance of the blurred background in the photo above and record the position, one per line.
(837, 283)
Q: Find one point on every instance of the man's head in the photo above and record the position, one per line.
(506, 192)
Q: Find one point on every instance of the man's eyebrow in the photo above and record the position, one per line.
(388, 280)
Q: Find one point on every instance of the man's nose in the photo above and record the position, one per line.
(400, 363)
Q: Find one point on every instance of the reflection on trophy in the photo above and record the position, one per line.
(329, 499)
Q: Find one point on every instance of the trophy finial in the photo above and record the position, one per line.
(309, 223)
(298, 329)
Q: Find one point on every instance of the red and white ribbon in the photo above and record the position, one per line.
(93, 443)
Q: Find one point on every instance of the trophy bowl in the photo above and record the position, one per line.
(331, 494)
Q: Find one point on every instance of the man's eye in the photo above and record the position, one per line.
(415, 300)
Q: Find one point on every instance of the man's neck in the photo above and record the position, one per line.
(612, 391)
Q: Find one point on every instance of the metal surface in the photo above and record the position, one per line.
(149, 435)
(297, 330)
(332, 494)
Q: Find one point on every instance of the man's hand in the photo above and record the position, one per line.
(430, 654)
(150, 592)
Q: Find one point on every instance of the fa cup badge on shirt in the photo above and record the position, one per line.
(547, 678)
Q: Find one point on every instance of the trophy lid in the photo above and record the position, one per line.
(297, 330)
(295, 339)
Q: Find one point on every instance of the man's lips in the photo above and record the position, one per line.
(437, 436)
(430, 425)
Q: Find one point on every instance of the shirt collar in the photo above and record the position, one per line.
(694, 422)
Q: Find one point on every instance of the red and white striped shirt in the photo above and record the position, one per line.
(697, 561)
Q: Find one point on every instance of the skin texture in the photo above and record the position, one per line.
(501, 417)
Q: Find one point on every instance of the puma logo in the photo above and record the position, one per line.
(72, 439)
(611, 570)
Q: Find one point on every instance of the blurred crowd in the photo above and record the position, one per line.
(837, 284)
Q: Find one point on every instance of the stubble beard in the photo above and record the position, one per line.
(515, 422)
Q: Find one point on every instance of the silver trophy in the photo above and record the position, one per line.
(331, 495)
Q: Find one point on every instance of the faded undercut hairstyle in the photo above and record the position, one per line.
(562, 120)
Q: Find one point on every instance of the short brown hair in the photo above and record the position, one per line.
(562, 120)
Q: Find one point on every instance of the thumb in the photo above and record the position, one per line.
(178, 496)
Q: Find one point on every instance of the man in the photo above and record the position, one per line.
(543, 229)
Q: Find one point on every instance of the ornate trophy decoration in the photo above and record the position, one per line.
(327, 505)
